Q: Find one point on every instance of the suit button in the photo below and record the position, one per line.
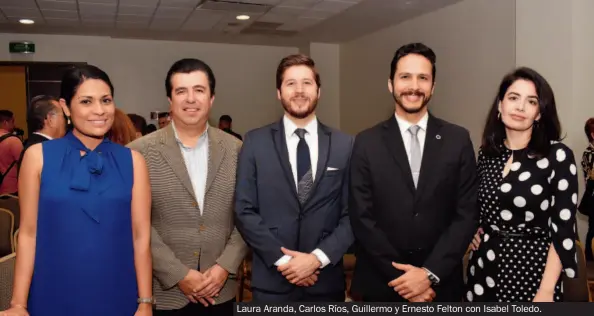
(195, 253)
(202, 228)
(194, 204)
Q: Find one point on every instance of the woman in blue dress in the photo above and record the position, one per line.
(84, 240)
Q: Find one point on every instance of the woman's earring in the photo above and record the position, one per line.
(499, 115)
(68, 120)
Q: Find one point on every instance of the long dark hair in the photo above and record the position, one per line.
(544, 131)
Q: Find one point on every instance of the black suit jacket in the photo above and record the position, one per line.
(269, 215)
(32, 140)
(430, 226)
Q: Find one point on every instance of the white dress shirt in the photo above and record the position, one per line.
(311, 138)
(196, 160)
(42, 134)
(404, 125)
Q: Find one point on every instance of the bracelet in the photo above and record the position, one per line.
(12, 305)
(146, 300)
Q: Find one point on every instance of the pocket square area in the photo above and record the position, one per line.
(331, 169)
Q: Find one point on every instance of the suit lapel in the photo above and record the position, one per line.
(216, 153)
(280, 146)
(393, 139)
(431, 150)
(172, 154)
(323, 155)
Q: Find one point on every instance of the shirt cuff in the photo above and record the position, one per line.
(432, 274)
(283, 260)
(324, 260)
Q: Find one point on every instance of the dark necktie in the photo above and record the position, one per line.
(304, 172)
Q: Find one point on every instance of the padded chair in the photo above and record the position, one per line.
(6, 232)
(6, 280)
(11, 203)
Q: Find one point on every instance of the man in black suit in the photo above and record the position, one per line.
(46, 119)
(413, 198)
(291, 196)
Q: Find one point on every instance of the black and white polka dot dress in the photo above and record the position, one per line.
(521, 214)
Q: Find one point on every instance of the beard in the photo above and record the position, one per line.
(301, 113)
(399, 100)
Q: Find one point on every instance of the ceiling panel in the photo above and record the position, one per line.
(62, 22)
(166, 23)
(60, 14)
(133, 18)
(131, 25)
(289, 11)
(180, 3)
(333, 6)
(147, 3)
(299, 3)
(18, 3)
(98, 1)
(57, 5)
(265, 2)
(170, 13)
(97, 8)
(136, 10)
(13, 12)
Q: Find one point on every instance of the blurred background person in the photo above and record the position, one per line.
(225, 122)
(11, 147)
(122, 131)
(46, 119)
(587, 203)
(163, 119)
(139, 123)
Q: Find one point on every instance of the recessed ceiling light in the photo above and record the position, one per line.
(26, 21)
(243, 17)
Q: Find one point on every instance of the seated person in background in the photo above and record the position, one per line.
(139, 123)
(122, 131)
(46, 119)
(225, 124)
(163, 119)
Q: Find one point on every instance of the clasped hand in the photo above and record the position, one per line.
(413, 285)
(302, 269)
(204, 287)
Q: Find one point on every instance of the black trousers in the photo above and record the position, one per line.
(222, 309)
(298, 295)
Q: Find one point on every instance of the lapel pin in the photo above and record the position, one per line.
(437, 136)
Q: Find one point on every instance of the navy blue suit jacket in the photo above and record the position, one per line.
(269, 215)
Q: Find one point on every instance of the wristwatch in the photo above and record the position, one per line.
(432, 277)
(146, 300)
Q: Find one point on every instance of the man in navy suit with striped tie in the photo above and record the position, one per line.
(292, 195)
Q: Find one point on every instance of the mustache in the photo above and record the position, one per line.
(418, 93)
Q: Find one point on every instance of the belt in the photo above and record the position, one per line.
(505, 235)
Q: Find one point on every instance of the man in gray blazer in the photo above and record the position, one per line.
(291, 196)
(192, 168)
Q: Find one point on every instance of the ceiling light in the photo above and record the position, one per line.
(26, 21)
(243, 17)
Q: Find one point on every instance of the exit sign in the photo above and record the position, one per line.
(21, 47)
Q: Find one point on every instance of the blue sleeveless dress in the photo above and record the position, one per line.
(84, 257)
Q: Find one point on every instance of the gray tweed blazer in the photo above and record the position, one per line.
(181, 238)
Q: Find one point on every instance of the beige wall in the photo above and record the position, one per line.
(474, 43)
(245, 75)
(327, 58)
(554, 38)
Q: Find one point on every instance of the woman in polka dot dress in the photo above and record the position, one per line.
(527, 196)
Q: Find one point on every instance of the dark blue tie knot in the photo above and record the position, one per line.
(300, 132)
